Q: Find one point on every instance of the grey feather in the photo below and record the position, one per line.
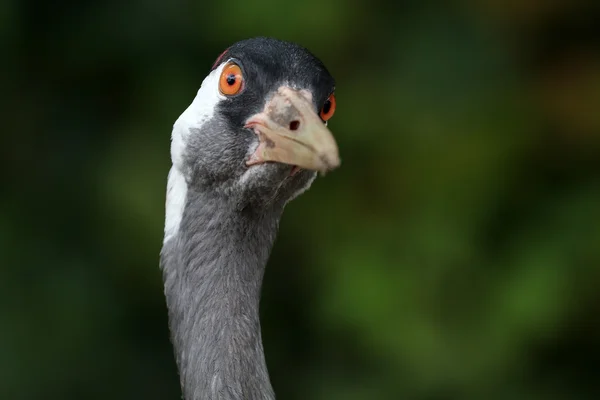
(214, 260)
(213, 273)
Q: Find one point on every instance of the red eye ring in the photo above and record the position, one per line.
(328, 108)
(231, 80)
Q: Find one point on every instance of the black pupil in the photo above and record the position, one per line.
(327, 107)
(231, 79)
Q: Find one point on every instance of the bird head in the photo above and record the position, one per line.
(257, 128)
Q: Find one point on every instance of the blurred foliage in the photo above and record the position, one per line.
(455, 255)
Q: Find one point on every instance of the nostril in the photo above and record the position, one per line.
(294, 125)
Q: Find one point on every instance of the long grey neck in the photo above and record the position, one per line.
(213, 270)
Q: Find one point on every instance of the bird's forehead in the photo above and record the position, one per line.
(268, 62)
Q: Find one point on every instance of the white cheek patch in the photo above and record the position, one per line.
(201, 110)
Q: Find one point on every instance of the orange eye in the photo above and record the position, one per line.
(328, 108)
(231, 80)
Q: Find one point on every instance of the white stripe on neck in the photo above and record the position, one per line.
(176, 196)
(198, 112)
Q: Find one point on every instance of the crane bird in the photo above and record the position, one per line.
(254, 137)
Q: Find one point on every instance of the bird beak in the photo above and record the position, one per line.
(291, 132)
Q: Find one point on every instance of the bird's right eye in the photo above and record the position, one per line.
(328, 108)
(232, 80)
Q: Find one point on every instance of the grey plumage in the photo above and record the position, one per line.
(214, 265)
(213, 273)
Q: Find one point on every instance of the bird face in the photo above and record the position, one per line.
(256, 131)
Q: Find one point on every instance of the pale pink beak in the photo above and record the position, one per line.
(291, 132)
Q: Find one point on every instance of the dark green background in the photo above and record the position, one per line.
(455, 255)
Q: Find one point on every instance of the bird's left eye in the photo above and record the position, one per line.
(231, 81)
(328, 108)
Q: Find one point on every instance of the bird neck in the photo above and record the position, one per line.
(213, 270)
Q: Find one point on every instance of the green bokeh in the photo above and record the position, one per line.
(455, 255)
